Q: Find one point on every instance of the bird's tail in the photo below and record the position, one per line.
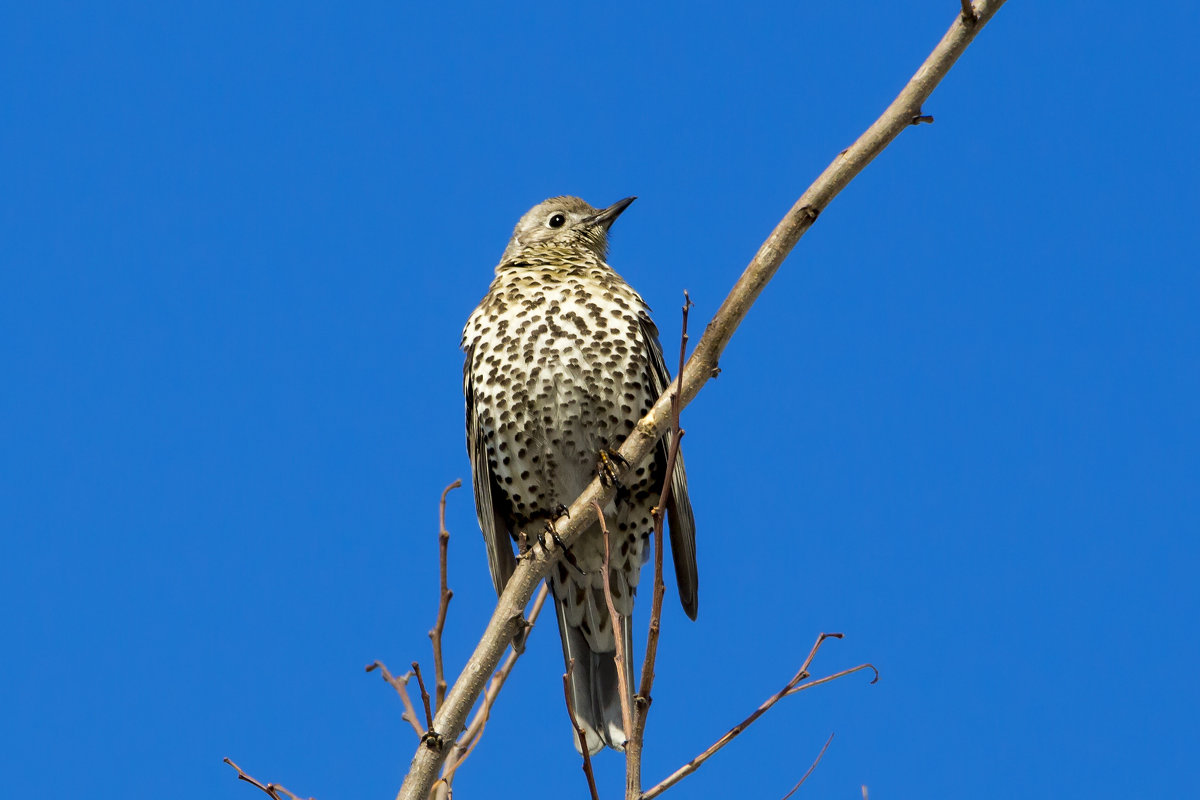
(594, 683)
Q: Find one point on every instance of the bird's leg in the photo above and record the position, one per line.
(433, 740)
(609, 467)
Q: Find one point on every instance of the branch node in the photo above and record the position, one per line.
(969, 18)
(918, 118)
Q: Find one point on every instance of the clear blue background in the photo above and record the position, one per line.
(238, 244)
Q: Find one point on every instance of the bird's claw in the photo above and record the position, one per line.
(433, 740)
(611, 464)
(562, 546)
(549, 530)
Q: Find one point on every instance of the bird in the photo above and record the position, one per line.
(562, 360)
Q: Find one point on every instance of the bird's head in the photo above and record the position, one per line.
(565, 222)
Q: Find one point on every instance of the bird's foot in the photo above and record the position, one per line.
(548, 530)
(553, 536)
(611, 464)
(561, 510)
(433, 740)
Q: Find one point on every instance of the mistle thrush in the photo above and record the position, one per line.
(562, 361)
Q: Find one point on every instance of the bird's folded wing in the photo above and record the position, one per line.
(679, 506)
(489, 501)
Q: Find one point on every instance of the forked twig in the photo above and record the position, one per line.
(621, 657)
(435, 635)
(801, 674)
(401, 686)
(811, 767)
(272, 789)
(834, 677)
(583, 748)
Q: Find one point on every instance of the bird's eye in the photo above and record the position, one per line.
(557, 221)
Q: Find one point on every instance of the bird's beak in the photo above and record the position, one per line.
(608, 216)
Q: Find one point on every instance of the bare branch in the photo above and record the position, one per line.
(401, 686)
(429, 729)
(633, 747)
(834, 677)
(801, 675)
(811, 767)
(621, 657)
(435, 635)
(272, 789)
(701, 367)
(583, 748)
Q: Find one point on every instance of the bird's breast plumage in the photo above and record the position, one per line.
(560, 370)
(560, 373)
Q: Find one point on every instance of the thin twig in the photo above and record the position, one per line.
(621, 657)
(435, 635)
(633, 748)
(272, 789)
(811, 767)
(401, 686)
(801, 674)
(416, 668)
(834, 677)
(583, 748)
(701, 367)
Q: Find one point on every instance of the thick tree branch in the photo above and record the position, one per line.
(466, 743)
(700, 368)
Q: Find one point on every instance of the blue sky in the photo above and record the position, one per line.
(961, 426)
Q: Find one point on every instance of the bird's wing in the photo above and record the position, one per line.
(489, 500)
(679, 507)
